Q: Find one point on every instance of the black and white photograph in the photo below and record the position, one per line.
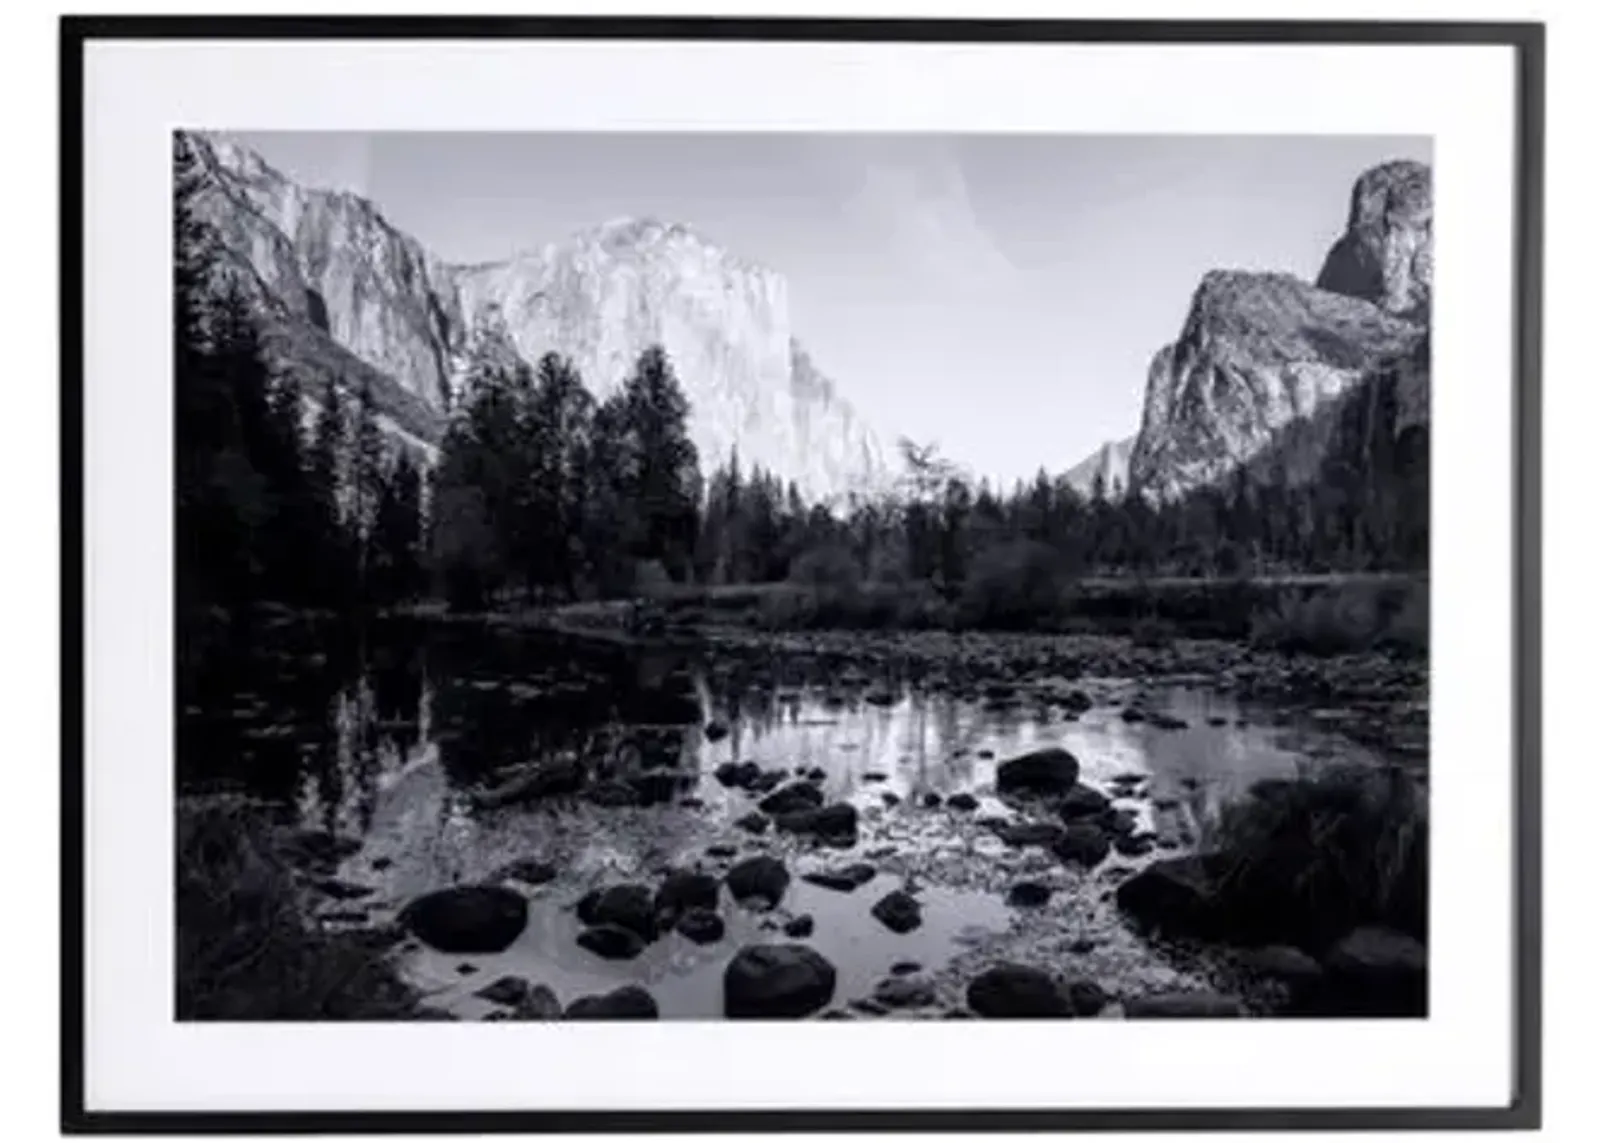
(635, 576)
(707, 568)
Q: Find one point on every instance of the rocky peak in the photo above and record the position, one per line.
(1260, 354)
(1386, 252)
(1257, 352)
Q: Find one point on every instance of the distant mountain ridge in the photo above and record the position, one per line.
(1108, 464)
(339, 282)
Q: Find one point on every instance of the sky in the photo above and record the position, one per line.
(1000, 295)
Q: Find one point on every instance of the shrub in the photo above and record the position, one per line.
(1356, 616)
(1017, 584)
(1406, 629)
(1327, 622)
(243, 950)
(1320, 855)
(830, 567)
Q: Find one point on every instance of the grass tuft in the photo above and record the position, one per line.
(1343, 847)
(244, 949)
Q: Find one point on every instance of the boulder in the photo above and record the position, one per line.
(1281, 962)
(627, 1003)
(1028, 894)
(904, 992)
(613, 794)
(683, 890)
(1375, 972)
(801, 926)
(1086, 997)
(611, 942)
(529, 871)
(507, 990)
(737, 775)
(1178, 896)
(1182, 1005)
(716, 731)
(898, 912)
(467, 919)
(702, 926)
(845, 879)
(795, 798)
(761, 879)
(964, 802)
(1083, 802)
(836, 823)
(1019, 834)
(1134, 845)
(1082, 843)
(631, 907)
(753, 822)
(539, 1004)
(1014, 991)
(1048, 771)
(777, 982)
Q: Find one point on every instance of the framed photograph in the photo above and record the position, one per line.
(663, 574)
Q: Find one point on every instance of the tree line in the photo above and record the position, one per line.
(541, 492)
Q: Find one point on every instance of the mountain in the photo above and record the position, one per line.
(603, 295)
(1260, 354)
(1109, 463)
(345, 292)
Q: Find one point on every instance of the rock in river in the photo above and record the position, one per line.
(627, 1003)
(898, 912)
(467, 919)
(753, 822)
(1028, 894)
(611, 942)
(1086, 997)
(685, 889)
(758, 879)
(738, 775)
(801, 926)
(1021, 834)
(508, 990)
(1015, 991)
(702, 926)
(1376, 972)
(529, 871)
(904, 992)
(631, 907)
(846, 879)
(1182, 1005)
(964, 802)
(1083, 802)
(836, 823)
(777, 982)
(1082, 843)
(1048, 771)
(796, 797)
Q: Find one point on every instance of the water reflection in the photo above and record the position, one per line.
(385, 737)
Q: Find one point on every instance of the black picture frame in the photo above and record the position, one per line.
(1528, 43)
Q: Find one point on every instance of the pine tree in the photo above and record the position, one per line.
(330, 446)
(660, 464)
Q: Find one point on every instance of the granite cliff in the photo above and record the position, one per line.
(347, 294)
(1264, 359)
